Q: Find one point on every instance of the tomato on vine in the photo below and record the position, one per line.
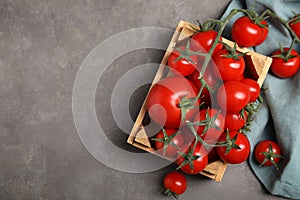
(168, 142)
(267, 153)
(229, 64)
(192, 160)
(247, 32)
(175, 184)
(183, 61)
(235, 149)
(202, 41)
(209, 124)
(286, 62)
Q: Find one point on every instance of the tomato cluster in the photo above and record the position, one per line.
(207, 101)
(202, 114)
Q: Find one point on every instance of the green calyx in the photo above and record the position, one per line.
(230, 143)
(257, 19)
(208, 122)
(186, 53)
(232, 52)
(187, 104)
(167, 140)
(206, 26)
(188, 158)
(270, 156)
(285, 54)
(169, 193)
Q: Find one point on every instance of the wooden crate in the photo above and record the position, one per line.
(257, 66)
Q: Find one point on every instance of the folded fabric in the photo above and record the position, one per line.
(279, 117)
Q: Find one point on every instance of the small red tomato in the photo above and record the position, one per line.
(295, 25)
(246, 33)
(253, 87)
(285, 67)
(204, 40)
(175, 184)
(233, 96)
(235, 121)
(237, 149)
(183, 61)
(193, 161)
(168, 142)
(267, 153)
(228, 67)
(214, 126)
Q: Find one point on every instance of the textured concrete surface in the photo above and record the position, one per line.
(42, 45)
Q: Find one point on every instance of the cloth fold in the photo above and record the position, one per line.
(279, 117)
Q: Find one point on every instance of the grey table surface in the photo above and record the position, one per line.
(42, 46)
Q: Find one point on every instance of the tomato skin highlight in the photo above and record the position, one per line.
(233, 96)
(175, 182)
(183, 66)
(246, 33)
(235, 156)
(171, 151)
(228, 68)
(263, 146)
(164, 98)
(284, 69)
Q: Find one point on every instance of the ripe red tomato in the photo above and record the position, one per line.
(175, 184)
(164, 98)
(204, 40)
(233, 96)
(234, 155)
(267, 153)
(295, 25)
(228, 67)
(214, 129)
(211, 81)
(235, 121)
(253, 88)
(196, 157)
(282, 68)
(247, 34)
(183, 61)
(167, 140)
